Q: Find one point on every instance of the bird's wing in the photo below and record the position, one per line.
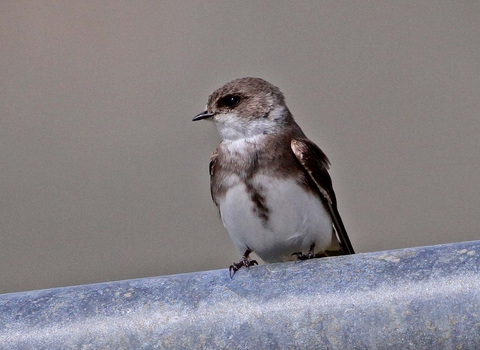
(316, 164)
(213, 161)
(211, 170)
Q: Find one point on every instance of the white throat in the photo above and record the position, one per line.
(231, 127)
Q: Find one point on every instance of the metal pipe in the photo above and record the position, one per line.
(416, 298)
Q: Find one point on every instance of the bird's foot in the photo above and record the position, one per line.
(303, 256)
(245, 262)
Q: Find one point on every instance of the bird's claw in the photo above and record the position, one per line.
(309, 255)
(243, 263)
(302, 256)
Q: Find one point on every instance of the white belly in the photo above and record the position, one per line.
(296, 219)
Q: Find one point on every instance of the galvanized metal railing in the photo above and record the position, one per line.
(417, 298)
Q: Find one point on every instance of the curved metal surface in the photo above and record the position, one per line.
(416, 298)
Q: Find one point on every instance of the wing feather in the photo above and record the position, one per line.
(211, 170)
(316, 164)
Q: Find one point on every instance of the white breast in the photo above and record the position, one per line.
(296, 218)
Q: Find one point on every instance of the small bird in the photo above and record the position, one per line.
(269, 181)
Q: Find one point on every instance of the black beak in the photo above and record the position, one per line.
(203, 115)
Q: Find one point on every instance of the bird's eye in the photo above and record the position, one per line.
(229, 101)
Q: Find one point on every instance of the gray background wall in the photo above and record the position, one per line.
(104, 176)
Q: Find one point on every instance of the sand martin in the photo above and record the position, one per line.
(269, 181)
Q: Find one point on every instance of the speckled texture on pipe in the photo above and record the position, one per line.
(416, 298)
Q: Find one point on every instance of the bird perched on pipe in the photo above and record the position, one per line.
(269, 181)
